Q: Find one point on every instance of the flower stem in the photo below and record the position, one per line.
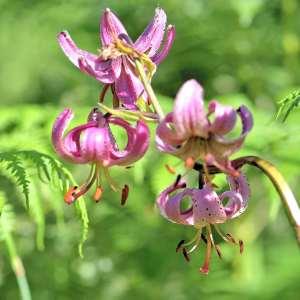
(17, 266)
(286, 195)
(149, 89)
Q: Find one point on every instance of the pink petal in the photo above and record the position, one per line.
(128, 87)
(137, 145)
(225, 118)
(234, 206)
(150, 40)
(229, 146)
(110, 28)
(189, 115)
(166, 138)
(168, 43)
(87, 62)
(170, 206)
(207, 207)
(65, 150)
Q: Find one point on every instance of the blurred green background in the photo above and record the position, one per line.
(243, 52)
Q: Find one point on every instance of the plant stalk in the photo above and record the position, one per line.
(149, 89)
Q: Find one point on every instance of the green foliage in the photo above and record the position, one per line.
(287, 105)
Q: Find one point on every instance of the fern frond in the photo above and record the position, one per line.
(287, 105)
(16, 168)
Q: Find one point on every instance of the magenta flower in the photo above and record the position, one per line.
(114, 65)
(95, 144)
(191, 134)
(207, 209)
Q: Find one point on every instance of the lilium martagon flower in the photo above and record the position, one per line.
(191, 133)
(207, 210)
(114, 65)
(93, 143)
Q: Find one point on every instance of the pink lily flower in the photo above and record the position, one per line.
(114, 65)
(191, 134)
(207, 209)
(94, 143)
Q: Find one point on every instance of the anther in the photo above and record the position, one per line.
(98, 194)
(70, 195)
(218, 250)
(179, 245)
(177, 180)
(125, 192)
(241, 244)
(189, 163)
(230, 238)
(204, 239)
(170, 169)
(185, 255)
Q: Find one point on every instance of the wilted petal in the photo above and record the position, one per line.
(110, 28)
(224, 118)
(207, 207)
(189, 115)
(128, 87)
(150, 40)
(137, 143)
(169, 206)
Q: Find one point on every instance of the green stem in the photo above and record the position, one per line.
(149, 89)
(18, 268)
(286, 195)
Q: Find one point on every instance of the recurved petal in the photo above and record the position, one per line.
(166, 137)
(169, 206)
(128, 87)
(150, 40)
(240, 185)
(234, 206)
(65, 149)
(224, 118)
(168, 43)
(189, 116)
(71, 50)
(110, 27)
(225, 146)
(137, 143)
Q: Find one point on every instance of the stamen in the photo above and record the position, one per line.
(98, 194)
(203, 238)
(170, 169)
(218, 250)
(185, 255)
(179, 245)
(205, 267)
(125, 192)
(231, 238)
(177, 180)
(189, 163)
(241, 244)
(111, 182)
(70, 195)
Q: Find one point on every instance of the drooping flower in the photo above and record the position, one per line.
(93, 143)
(114, 65)
(191, 134)
(207, 210)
